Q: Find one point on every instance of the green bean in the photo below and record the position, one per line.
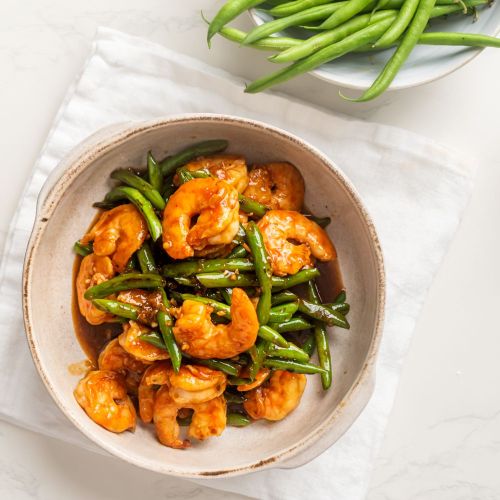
(323, 314)
(309, 345)
(289, 8)
(343, 308)
(83, 250)
(462, 39)
(306, 16)
(144, 187)
(107, 205)
(189, 268)
(229, 11)
(321, 340)
(348, 44)
(221, 365)
(219, 307)
(146, 259)
(232, 398)
(124, 282)
(252, 207)
(323, 39)
(121, 309)
(169, 165)
(165, 323)
(283, 312)
(238, 381)
(292, 366)
(340, 298)
(143, 205)
(280, 283)
(399, 25)
(154, 338)
(258, 354)
(291, 352)
(408, 42)
(321, 221)
(227, 294)
(267, 43)
(272, 336)
(132, 265)
(237, 420)
(296, 324)
(154, 173)
(238, 252)
(223, 280)
(262, 270)
(283, 297)
(349, 10)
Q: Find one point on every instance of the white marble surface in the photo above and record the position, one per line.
(443, 437)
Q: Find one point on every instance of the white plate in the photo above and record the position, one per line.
(425, 64)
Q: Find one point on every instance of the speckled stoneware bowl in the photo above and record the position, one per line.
(65, 211)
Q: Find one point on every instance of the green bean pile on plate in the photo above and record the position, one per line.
(326, 30)
(204, 272)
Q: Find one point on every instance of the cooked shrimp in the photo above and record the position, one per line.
(103, 396)
(118, 233)
(215, 203)
(276, 399)
(229, 168)
(93, 270)
(277, 186)
(138, 348)
(209, 419)
(114, 358)
(290, 238)
(149, 303)
(199, 337)
(155, 375)
(259, 379)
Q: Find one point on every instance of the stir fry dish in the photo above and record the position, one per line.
(197, 285)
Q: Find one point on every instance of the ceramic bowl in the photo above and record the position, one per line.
(65, 211)
(425, 64)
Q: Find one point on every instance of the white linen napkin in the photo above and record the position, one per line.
(415, 190)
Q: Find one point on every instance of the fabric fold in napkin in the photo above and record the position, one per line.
(415, 190)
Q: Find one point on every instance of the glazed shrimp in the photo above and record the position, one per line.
(93, 270)
(261, 376)
(114, 358)
(138, 348)
(215, 203)
(155, 375)
(103, 396)
(209, 419)
(276, 399)
(199, 337)
(282, 230)
(118, 233)
(277, 186)
(229, 168)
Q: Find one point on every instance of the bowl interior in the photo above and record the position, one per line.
(69, 211)
(426, 62)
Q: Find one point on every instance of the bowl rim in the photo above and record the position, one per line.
(322, 75)
(76, 162)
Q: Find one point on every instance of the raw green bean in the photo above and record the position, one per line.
(252, 207)
(325, 38)
(272, 336)
(306, 16)
(229, 11)
(348, 11)
(189, 268)
(321, 340)
(348, 44)
(408, 42)
(154, 338)
(323, 314)
(292, 366)
(238, 252)
(462, 39)
(170, 164)
(83, 250)
(121, 309)
(124, 282)
(144, 187)
(399, 25)
(146, 259)
(166, 323)
(262, 270)
(154, 173)
(291, 352)
(237, 420)
(296, 324)
(289, 8)
(143, 205)
(280, 283)
(267, 43)
(283, 297)
(236, 399)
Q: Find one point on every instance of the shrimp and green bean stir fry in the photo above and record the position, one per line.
(205, 268)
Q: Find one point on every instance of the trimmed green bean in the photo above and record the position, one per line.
(189, 268)
(280, 283)
(348, 11)
(83, 250)
(154, 173)
(323, 314)
(146, 259)
(124, 282)
(154, 338)
(166, 323)
(267, 43)
(340, 298)
(144, 187)
(132, 265)
(238, 252)
(283, 312)
(462, 39)
(272, 336)
(343, 308)
(262, 270)
(229, 11)
(292, 366)
(143, 205)
(170, 164)
(237, 420)
(252, 207)
(227, 294)
(221, 365)
(289, 8)
(283, 297)
(291, 352)
(309, 345)
(258, 354)
(397, 28)
(231, 398)
(296, 324)
(121, 309)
